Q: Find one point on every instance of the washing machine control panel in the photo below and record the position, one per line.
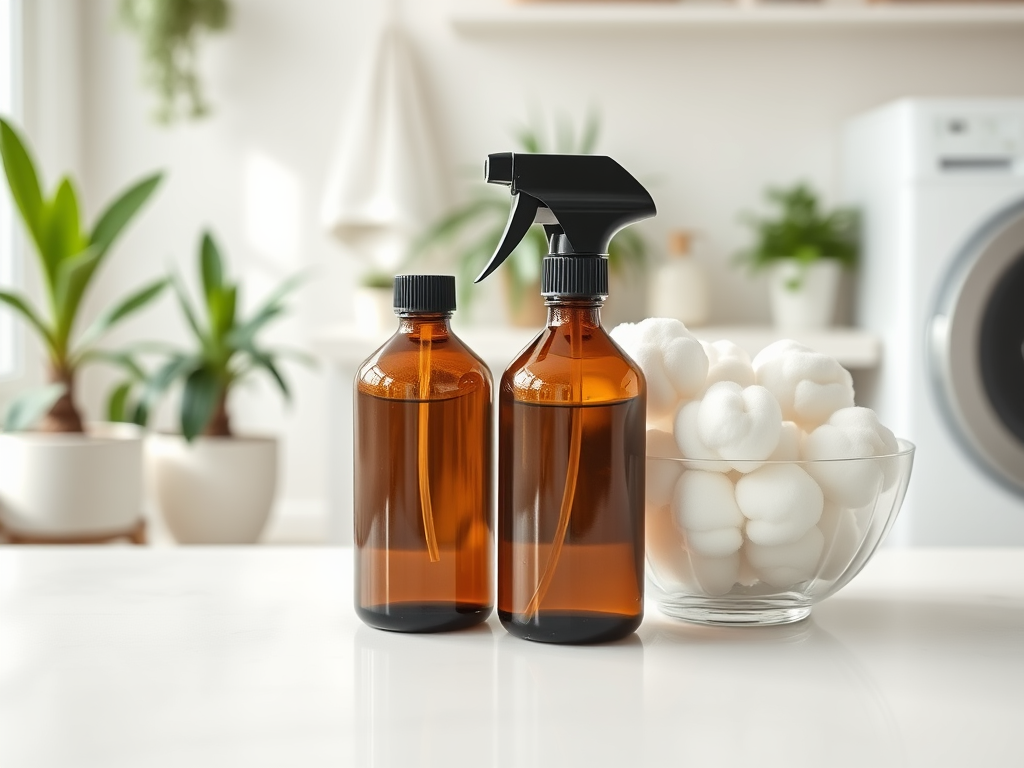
(977, 142)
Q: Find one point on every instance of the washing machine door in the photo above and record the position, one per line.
(977, 347)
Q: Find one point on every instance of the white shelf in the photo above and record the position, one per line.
(852, 347)
(617, 17)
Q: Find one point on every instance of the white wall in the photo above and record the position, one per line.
(708, 117)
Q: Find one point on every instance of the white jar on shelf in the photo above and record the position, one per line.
(679, 286)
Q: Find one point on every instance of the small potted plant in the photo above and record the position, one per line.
(473, 230)
(169, 31)
(211, 485)
(804, 250)
(68, 479)
(373, 302)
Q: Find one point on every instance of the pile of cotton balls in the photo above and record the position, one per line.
(735, 516)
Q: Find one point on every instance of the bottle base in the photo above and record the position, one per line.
(423, 617)
(570, 627)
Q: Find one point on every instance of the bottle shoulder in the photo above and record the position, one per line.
(396, 370)
(548, 372)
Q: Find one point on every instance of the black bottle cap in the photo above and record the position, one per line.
(424, 293)
(582, 276)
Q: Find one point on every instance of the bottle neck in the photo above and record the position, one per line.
(434, 325)
(564, 311)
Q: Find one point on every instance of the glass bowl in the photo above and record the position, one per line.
(758, 543)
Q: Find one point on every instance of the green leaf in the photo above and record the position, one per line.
(245, 333)
(32, 406)
(21, 305)
(211, 268)
(117, 215)
(123, 360)
(198, 402)
(222, 312)
(266, 362)
(490, 208)
(62, 228)
(71, 281)
(800, 229)
(118, 312)
(118, 401)
(22, 179)
(282, 290)
(177, 367)
(190, 314)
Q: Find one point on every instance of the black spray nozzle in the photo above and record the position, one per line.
(582, 201)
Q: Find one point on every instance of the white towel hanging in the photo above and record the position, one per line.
(386, 183)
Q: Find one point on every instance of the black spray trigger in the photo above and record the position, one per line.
(524, 214)
(581, 200)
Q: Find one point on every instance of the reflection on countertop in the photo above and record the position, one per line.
(250, 656)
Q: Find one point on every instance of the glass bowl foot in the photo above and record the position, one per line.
(733, 612)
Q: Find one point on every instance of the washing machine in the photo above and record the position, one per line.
(940, 184)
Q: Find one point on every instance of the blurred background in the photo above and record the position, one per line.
(708, 109)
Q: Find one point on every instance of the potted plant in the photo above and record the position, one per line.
(168, 31)
(67, 479)
(211, 485)
(373, 302)
(472, 231)
(804, 249)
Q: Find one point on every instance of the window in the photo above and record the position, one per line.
(10, 70)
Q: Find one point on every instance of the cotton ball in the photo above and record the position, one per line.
(689, 443)
(786, 565)
(728, 362)
(738, 423)
(704, 506)
(715, 543)
(748, 576)
(809, 386)
(666, 549)
(851, 433)
(842, 538)
(715, 575)
(672, 359)
(865, 429)
(662, 472)
(863, 426)
(790, 440)
(781, 502)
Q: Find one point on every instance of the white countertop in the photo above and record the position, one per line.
(119, 656)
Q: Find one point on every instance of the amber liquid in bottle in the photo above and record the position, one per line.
(423, 537)
(571, 484)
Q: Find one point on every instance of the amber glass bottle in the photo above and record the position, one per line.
(571, 483)
(423, 537)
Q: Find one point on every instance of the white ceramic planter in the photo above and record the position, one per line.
(813, 304)
(374, 309)
(66, 484)
(218, 490)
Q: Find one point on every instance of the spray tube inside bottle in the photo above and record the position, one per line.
(582, 201)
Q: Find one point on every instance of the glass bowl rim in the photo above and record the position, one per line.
(905, 448)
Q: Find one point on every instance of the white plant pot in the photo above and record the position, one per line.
(71, 484)
(218, 490)
(813, 304)
(374, 309)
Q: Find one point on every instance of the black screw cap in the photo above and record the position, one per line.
(424, 293)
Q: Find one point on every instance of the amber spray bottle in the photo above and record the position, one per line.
(572, 410)
(423, 435)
